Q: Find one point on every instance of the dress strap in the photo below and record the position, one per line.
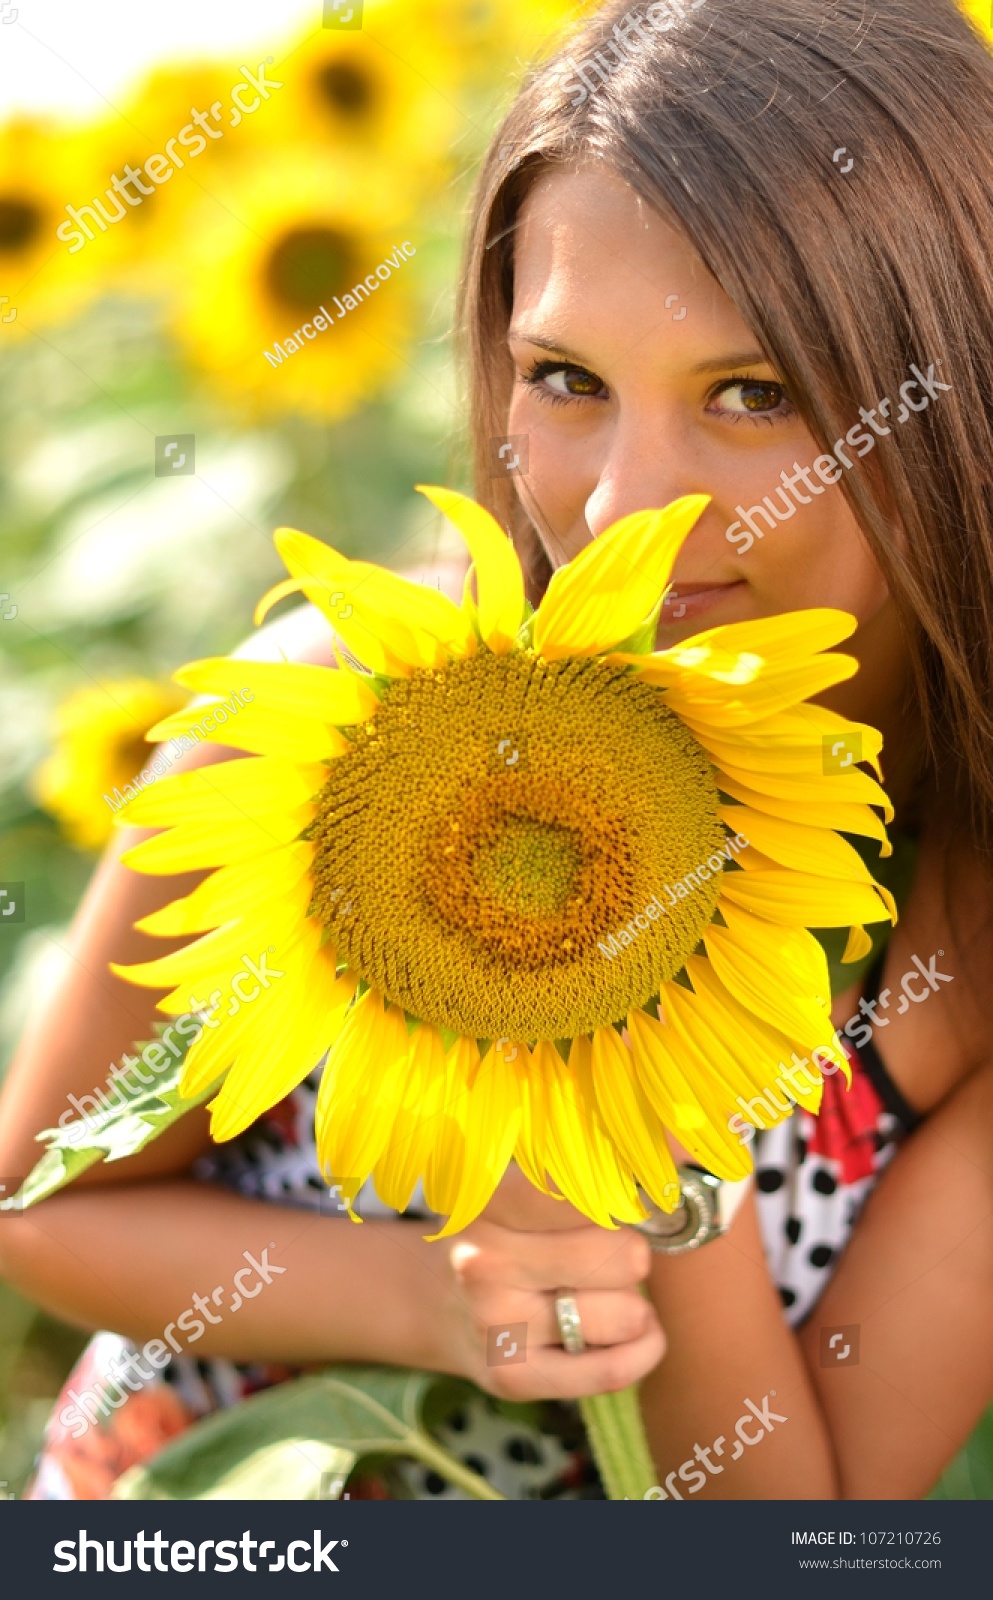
(872, 1061)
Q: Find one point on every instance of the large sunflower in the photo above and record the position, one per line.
(450, 854)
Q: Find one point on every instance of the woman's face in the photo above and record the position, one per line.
(638, 382)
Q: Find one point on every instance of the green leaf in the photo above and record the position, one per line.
(642, 640)
(110, 1136)
(300, 1439)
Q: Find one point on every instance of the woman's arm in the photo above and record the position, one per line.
(135, 1258)
(93, 1018)
(917, 1279)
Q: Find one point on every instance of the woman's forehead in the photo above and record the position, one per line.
(591, 256)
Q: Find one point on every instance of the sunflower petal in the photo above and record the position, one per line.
(499, 579)
(492, 1120)
(684, 1100)
(840, 816)
(848, 787)
(217, 843)
(766, 968)
(408, 1146)
(615, 1182)
(858, 945)
(390, 623)
(569, 1160)
(756, 697)
(634, 1127)
(361, 1090)
(257, 730)
(231, 891)
(285, 1043)
(327, 694)
(790, 897)
(757, 1044)
(443, 1173)
(248, 787)
(531, 1150)
(603, 594)
(809, 849)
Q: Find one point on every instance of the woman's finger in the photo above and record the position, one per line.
(606, 1316)
(553, 1374)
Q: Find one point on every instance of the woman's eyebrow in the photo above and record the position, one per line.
(745, 358)
(543, 344)
(735, 359)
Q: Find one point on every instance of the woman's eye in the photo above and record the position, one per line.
(558, 381)
(752, 397)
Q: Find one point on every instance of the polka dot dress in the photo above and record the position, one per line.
(813, 1175)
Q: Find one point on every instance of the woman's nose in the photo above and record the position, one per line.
(637, 476)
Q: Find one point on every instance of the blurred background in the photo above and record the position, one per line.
(147, 447)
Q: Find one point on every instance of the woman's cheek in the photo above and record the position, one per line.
(555, 479)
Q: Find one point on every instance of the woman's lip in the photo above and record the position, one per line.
(688, 601)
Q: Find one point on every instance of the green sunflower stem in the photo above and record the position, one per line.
(617, 1439)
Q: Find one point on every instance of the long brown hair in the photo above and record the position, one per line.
(727, 124)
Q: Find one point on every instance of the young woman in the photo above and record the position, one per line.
(721, 249)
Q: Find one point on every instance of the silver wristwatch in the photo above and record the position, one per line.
(707, 1206)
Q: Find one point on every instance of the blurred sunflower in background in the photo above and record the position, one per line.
(298, 234)
(40, 171)
(387, 87)
(99, 746)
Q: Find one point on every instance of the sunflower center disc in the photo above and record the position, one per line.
(496, 827)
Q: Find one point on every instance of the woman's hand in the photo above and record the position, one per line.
(509, 1265)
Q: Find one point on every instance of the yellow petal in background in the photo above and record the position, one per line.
(606, 592)
(499, 579)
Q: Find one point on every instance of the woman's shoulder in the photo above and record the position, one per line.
(302, 635)
(931, 1025)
